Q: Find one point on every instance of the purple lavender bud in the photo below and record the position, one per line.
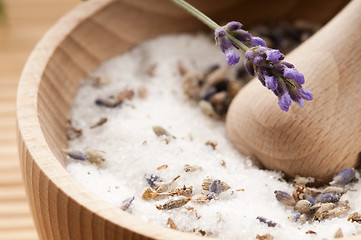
(257, 41)
(306, 94)
(271, 82)
(274, 55)
(232, 57)
(258, 61)
(224, 42)
(285, 101)
(249, 54)
(300, 102)
(152, 179)
(284, 198)
(266, 221)
(296, 217)
(345, 176)
(211, 196)
(76, 154)
(126, 203)
(328, 197)
(292, 73)
(232, 26)
(248, 65)
(311, 200)
(242, 35)
(216, 187)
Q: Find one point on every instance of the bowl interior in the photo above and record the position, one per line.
(90, 34)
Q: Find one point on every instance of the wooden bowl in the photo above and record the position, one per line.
(90, 34)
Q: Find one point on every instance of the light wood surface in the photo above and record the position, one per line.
(322, 138)
(89, 34)
(27, 21)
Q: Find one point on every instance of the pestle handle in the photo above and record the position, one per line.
(324, 137)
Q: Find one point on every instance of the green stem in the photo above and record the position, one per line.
(209, 22)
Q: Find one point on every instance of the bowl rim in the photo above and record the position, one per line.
(31, 135)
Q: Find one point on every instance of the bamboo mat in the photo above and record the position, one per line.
(26, 22)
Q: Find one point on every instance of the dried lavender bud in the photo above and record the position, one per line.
(266, 221)
(159, 131)
(161, 187)
(76, 154)
(208, 181)
(164, 166)
(284, 198)
(301, 218)
(173, 203)
(126, 203)
(331, 189)
(213, 145)
(216, 187)
(191, 168)
(100, 122)
(72, 132)
(303, 206)
(311, 232)
(345, 176)
(151, 180)
(328, 197)
(114, 102)
(183, 191)
(95, 156)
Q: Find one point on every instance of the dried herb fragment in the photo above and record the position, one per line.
(200, 199)
(266, 221)
(212, 144)
(164, 166)
(339, 233)
(151, 180)
(159, 132)
(171, 224)
(284, 198)
(95, 156)
(208, 181)
(354, 217)
(72, 132)
(183, 191)
(303, 206)
(173, 203)
(76, 154)
(264, 237)
(100, 80)
(161, 187)
(149, 194)
(116, 101)
(191, 168)
(126, 203)
(311, 232)
(100, 122)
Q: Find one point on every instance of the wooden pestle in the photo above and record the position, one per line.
(324, 136)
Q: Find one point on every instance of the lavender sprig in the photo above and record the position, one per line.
(279, 76)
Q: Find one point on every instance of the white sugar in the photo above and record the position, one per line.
(132, 150)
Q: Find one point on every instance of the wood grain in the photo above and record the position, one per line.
(26, 22)
(76, 45)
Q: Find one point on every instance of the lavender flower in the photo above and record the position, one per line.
(275, 74)
(226, 46)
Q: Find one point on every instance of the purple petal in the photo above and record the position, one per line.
(232, 26)
(287, 64)
(258, 61)
(300, 102)
(257, 41)
(292, 73)
(232, 57)
(249, 54)
(242, 35)
(274, 55)
(271, 82)
(306, 94)
(220, 32)
(248, 65)
(285, 101)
